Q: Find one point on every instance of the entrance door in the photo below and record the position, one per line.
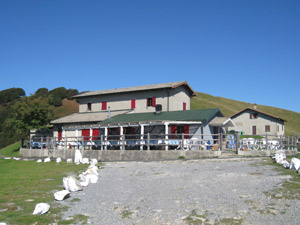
(253, 130)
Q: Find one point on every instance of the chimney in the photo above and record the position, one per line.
(254, 106)
(108, 112)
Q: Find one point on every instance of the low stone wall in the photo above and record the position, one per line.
(121, 155)
(265, 153)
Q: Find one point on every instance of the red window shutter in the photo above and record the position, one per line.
(59, 135)
(154, 101)
(95, 134)
(173, 132)
(104, 105)
(184, 106)
(132, 103)
(85, 134)
(186, 131)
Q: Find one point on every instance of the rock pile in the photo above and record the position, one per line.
(280, 158)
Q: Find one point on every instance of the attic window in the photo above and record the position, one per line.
(253, 115)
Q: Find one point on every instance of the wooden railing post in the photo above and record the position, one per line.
(182, 141)
(148, 141)
(101, 139)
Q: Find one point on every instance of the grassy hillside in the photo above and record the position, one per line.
(68, 107)
(230, 107)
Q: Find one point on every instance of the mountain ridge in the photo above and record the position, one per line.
(229, 107)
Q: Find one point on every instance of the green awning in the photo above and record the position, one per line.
(199, 115)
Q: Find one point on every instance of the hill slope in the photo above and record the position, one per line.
(230, 107)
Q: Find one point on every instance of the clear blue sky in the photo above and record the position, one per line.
(244, 50)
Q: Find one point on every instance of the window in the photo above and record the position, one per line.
(151, 101)
(253, 115)
(253, 130)
(132, 103)
(89, 106)
(179, 130)
(267, 128)
(104, 106)
(184, 106)
(113, 133)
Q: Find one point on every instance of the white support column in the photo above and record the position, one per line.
(64, 136)
(91, 139)
(105, 138)
(167, 135)
(142, 137)
(121, 138)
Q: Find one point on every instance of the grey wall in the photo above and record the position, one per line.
(119, 155)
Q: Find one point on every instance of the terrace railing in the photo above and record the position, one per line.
(164, 142)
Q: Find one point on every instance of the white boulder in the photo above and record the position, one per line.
(93, 178)
(85, 161)
(58, 160)
(41, 208)
(92, 170)
(286, 164)
(279, 157)
(295, 164)
(16, 158)
(69, 160)
(39, 161)
(47, 160)
(61, 195)
(78, 157)
(84, 181)
(70, 183)
(94, 162)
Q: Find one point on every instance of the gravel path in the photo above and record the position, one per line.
(225, 191)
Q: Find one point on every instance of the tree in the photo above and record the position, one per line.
(71, 93)
(41, 92)
(11, 94)
(56, 95)
(29, 113)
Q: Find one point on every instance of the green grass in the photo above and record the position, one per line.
(230, 107)
(11, 150)
(23, 184)
(126, 214)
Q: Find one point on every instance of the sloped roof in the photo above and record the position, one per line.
(138, 88)
(86, 117)
(221, 121)
(255, 110)
(201, 115)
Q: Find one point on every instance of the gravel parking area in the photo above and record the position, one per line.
(208, 191)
